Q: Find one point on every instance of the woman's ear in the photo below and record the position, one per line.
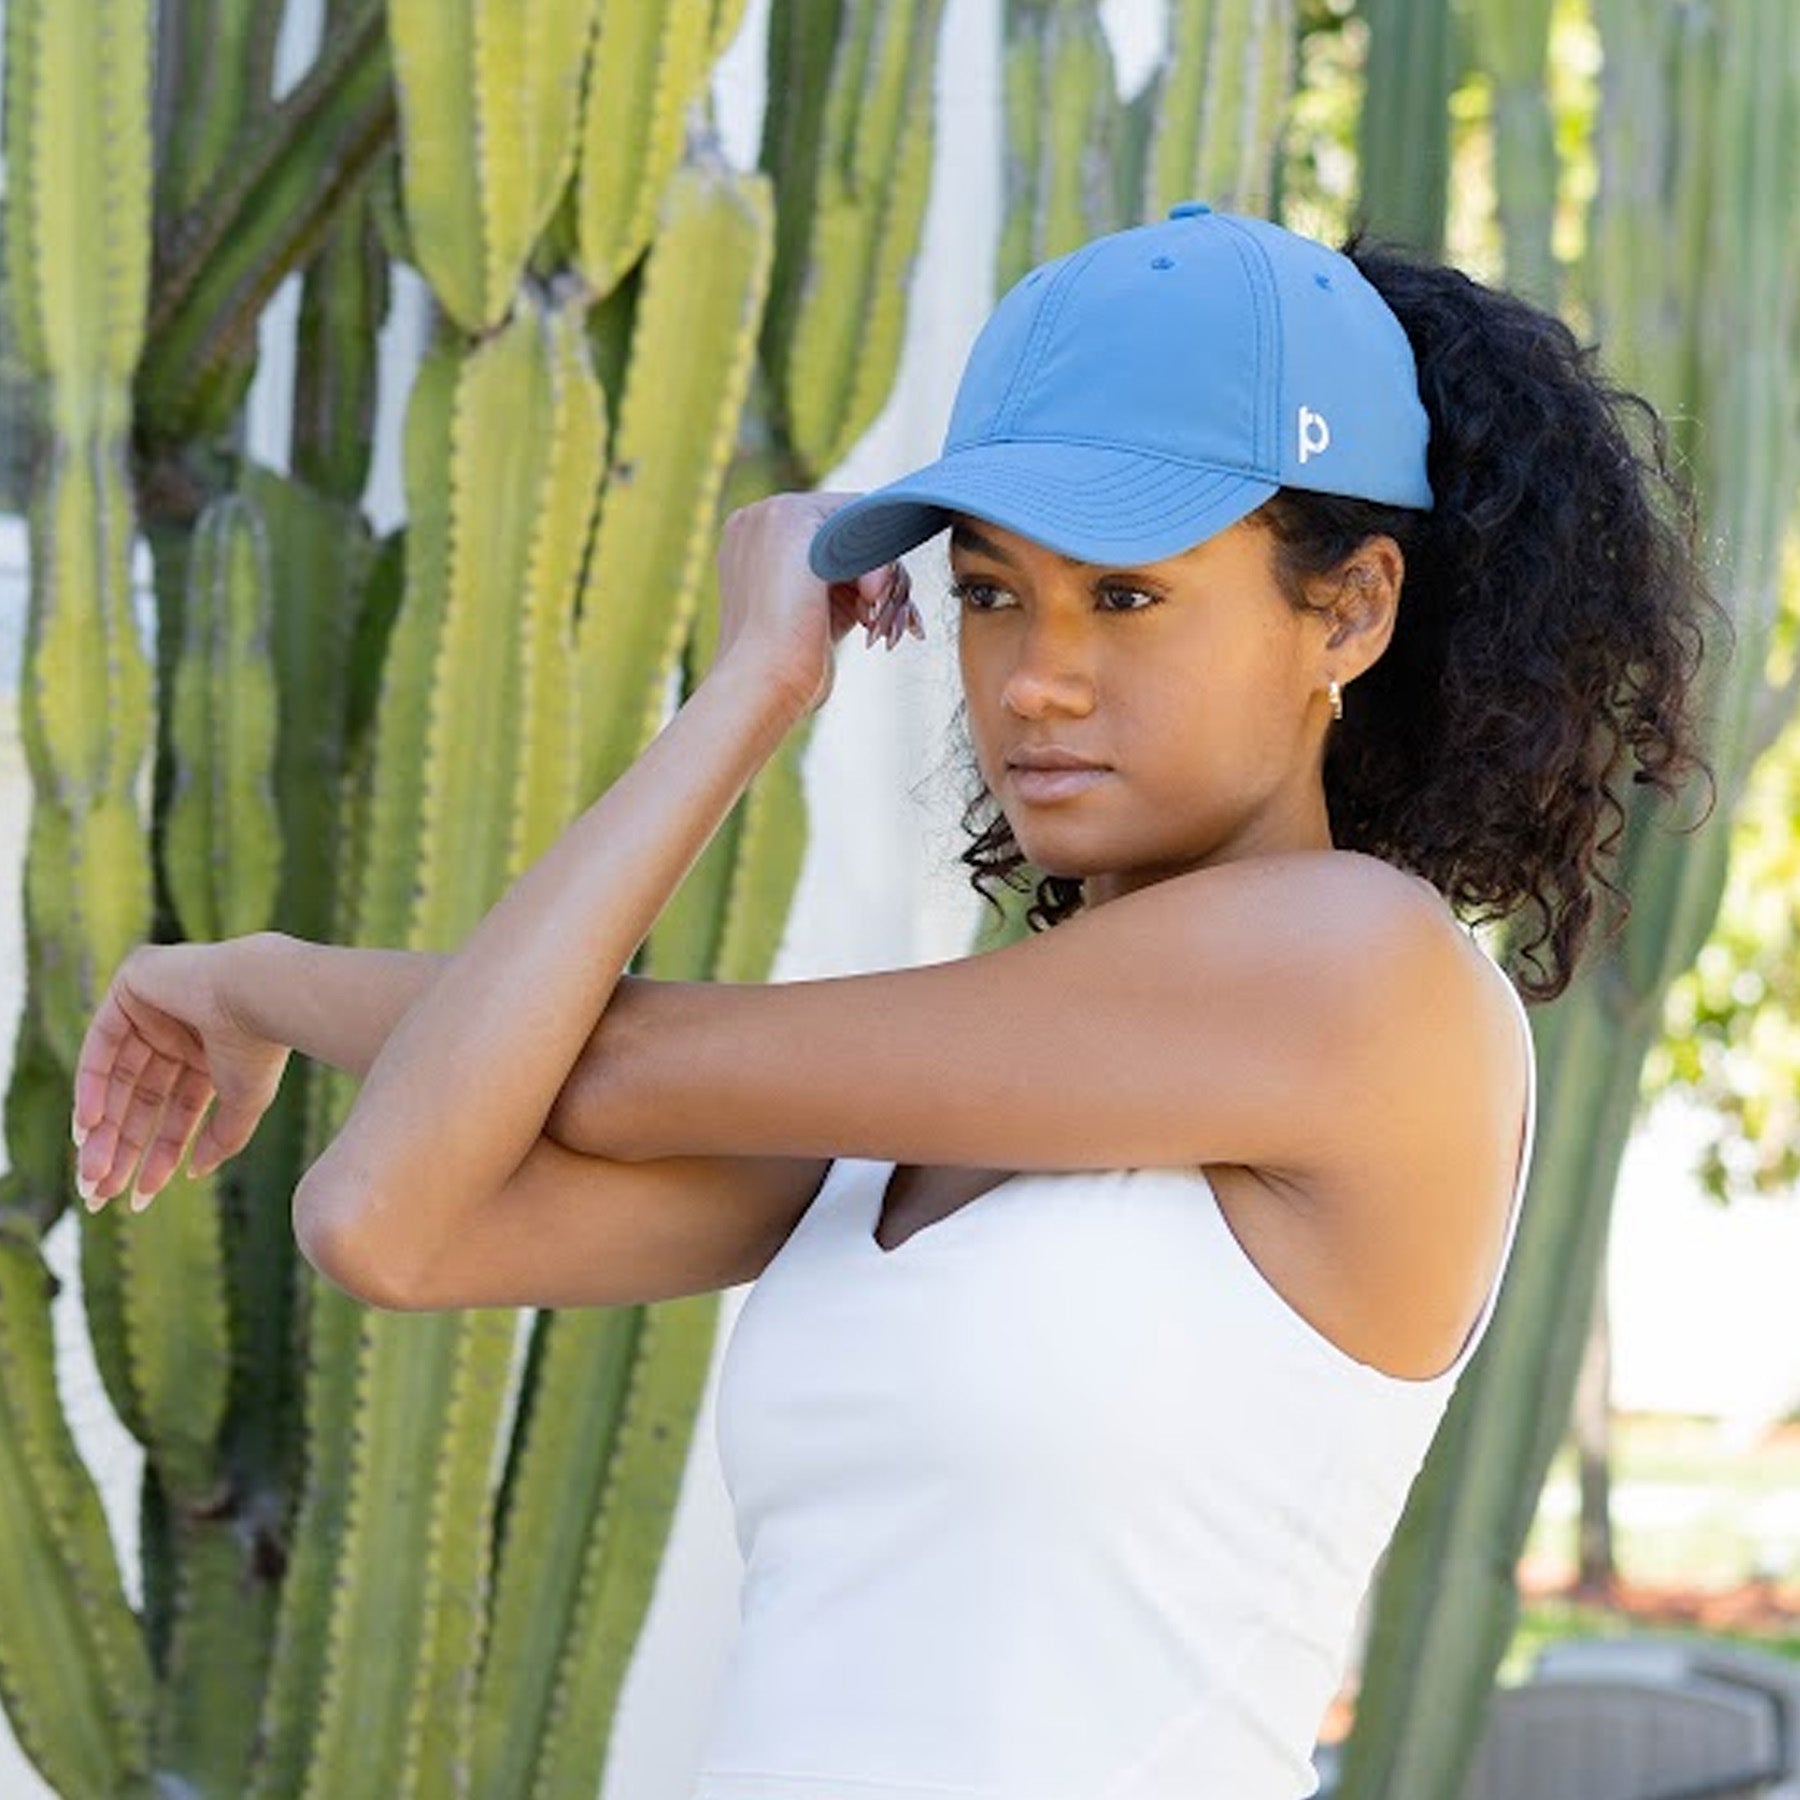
(1363, 596)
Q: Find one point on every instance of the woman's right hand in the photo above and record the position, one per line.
(164, 1041)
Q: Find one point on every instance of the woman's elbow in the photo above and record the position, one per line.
(327, 1235)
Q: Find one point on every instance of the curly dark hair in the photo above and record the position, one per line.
(1553, 621)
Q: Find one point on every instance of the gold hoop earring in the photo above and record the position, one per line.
(1336, 694)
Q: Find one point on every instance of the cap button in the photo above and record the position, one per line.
(1188, 209)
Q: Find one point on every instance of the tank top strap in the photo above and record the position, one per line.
(1527, 1140)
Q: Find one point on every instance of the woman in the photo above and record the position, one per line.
(1110, 1285)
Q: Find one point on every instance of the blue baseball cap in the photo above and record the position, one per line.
(1137, 395)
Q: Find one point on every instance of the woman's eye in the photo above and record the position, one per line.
(1128, 599)
(978, 596)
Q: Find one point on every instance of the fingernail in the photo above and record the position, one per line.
(77, 1131)
(84, 1186)
(139, 1199)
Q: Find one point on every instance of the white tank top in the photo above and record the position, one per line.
(1057, 1500)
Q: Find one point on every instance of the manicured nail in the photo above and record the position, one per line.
(139, 1199)
(77, 1131)
(84, 1186)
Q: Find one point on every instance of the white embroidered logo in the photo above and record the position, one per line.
(1315, 434)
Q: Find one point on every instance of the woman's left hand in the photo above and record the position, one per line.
(775, 611)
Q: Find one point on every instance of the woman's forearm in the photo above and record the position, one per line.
(339, 1004)
(464, 1085)
(336, 1004)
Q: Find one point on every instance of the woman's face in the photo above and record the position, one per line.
(1192, 685)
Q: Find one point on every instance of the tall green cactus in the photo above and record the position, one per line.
(834, 349)
(1222, 100)
(1704, 105)
(1062, 108)
(365, 744)
(1511, 40)
(78, 251)
(1405, 127)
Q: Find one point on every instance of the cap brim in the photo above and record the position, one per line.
(1100, 505)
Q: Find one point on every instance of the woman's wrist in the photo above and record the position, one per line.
(335, 1004)
(254, 974)
(764, 683)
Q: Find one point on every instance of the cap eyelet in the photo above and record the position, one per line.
(1162, 262)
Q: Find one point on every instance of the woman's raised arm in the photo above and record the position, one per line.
(461, 1091)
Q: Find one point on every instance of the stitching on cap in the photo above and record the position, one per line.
(1265, 300)
(1048, 308)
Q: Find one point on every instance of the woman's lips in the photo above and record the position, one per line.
(1040, 786)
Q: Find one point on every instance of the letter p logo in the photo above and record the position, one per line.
(1315, 434)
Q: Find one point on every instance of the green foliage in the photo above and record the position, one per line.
(1733, 1021)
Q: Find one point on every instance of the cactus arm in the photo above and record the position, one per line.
(489, 110)
(1218, 123)
(1512, 42)
(227, 258)
(447, 219)
(563, 514)
(868, 208)
(1061, 111)
(78, 245)
(342, 301)
(1405, 137)
(649, 66)
(648, 1451)
(333, 1323)
(74, 1674)
(222, 846)
(694, 335)
(581, 1368)
(475, 726)
(215, 60)
(802, 45)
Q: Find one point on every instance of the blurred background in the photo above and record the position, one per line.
(202, 467)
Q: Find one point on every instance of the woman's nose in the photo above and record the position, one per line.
(1051, 674)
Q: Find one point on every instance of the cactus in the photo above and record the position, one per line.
(834, 347)
(73, 1668)
(650, 60)
(1405, 132)
(365, 744)
(1223, 97)
(1061, 104)
(489, 96)
(78, 247)
(222, 839)
(221, 264)
(1511, 41)
(691, 346)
